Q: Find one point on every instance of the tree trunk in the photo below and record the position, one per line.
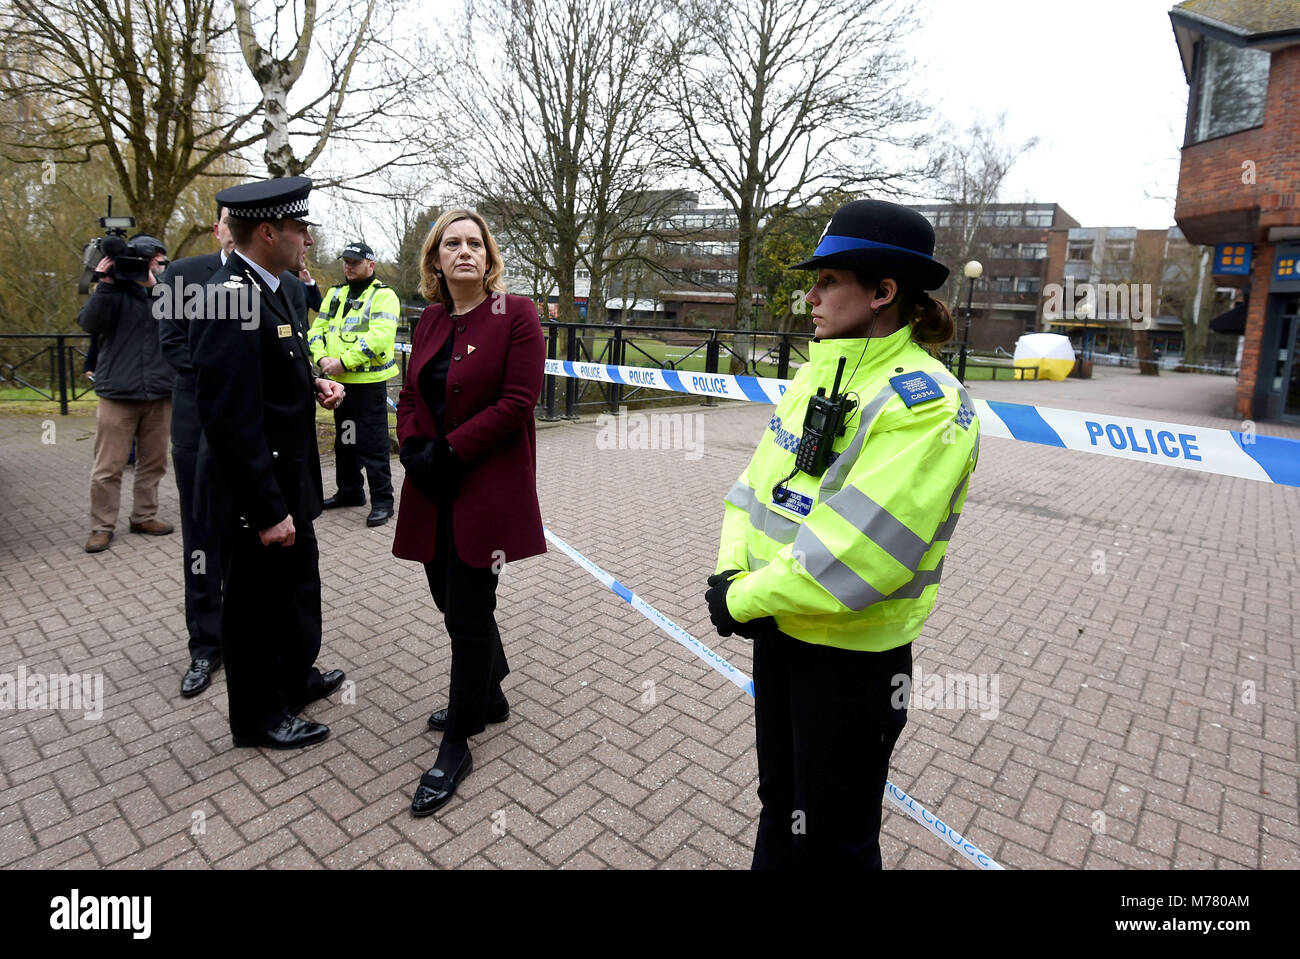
(1147, 364)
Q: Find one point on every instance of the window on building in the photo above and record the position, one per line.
(1079, 251)
(1119, 252)
(1033, 251)
(1002, 284)
(1028, 284)
(1229, 89)
(582, 274)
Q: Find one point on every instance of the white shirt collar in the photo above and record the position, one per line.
(224, 256)
(270, 279)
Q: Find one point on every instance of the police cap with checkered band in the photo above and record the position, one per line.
(284, 198)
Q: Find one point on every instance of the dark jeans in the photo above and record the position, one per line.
(270, 627)
(826, 725)
(363, 418)
(201, 543)
(467, 598)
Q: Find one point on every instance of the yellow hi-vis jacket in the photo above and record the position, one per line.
(852, 559)
(361, 333)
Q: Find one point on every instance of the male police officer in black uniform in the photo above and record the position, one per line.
(255, 392)
(203, 553)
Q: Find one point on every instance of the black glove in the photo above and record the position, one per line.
(432, 467)
(723, 621)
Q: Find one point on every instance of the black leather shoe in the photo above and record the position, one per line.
(436, 788)
(379, 516)
(199, 676)
(330, 682)
(338, 500)
(438, 720)
(293, 733)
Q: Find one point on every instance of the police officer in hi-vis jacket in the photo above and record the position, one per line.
(834, 536)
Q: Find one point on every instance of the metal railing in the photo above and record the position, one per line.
(757, 353)
(50, 372)
(48, 365)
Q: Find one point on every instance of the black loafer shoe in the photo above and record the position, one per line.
(379, 516)
(438, 720)
(436, 788)
(330, 682)
(293, 733)
(199, 676)
(338, 500)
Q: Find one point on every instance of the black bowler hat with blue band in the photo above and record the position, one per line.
(284, 198)
(883, 238)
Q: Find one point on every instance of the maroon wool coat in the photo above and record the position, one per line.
(493, 383)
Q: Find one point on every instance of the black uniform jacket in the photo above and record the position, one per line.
(174, 324)
(255, 392)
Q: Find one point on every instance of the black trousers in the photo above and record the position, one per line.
(270, 627)
(363, 418)
(826, 725)
(467, 598)
(202, 544)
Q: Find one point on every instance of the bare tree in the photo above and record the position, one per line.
(136, 85)
(367, 91)
(781, 101)
(971, 169)
(566, 133)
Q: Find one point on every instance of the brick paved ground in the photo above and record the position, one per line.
(1122, 607)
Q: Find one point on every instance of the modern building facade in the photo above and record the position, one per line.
(1021, 246)
(1239, 181)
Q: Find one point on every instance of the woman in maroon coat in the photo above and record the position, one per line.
(468, 443)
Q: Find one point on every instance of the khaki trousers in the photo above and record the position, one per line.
(118, 422)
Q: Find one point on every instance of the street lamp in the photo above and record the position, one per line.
(1084, 312)
(973, 271)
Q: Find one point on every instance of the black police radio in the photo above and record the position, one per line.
(824, 420)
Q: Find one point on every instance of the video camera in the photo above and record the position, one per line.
(129, 263)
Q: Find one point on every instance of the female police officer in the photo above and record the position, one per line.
(833, 538)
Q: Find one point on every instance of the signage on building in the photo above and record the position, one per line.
(1286, 268)
(1232, 259)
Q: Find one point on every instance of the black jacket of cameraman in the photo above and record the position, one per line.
(130, 365)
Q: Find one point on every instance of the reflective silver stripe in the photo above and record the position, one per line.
(880, 526)
(831, 574)
(839, 470)
(740, 495)
(919, 583)
(944, 532)
(755, 563)
(766, 521)
(383, 316)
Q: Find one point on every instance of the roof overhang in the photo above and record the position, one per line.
(1188, 25)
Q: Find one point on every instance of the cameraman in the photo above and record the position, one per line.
(134, 385)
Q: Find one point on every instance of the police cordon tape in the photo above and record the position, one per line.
(1269, 459)
(734, 675)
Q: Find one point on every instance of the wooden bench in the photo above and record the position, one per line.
(995, 363)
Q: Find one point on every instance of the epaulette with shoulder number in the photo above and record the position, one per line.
(915, 388)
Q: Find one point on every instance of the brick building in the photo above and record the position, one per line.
(1239, 182)
(1021, 246)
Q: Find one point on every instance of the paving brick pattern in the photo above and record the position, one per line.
(1141, 623)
